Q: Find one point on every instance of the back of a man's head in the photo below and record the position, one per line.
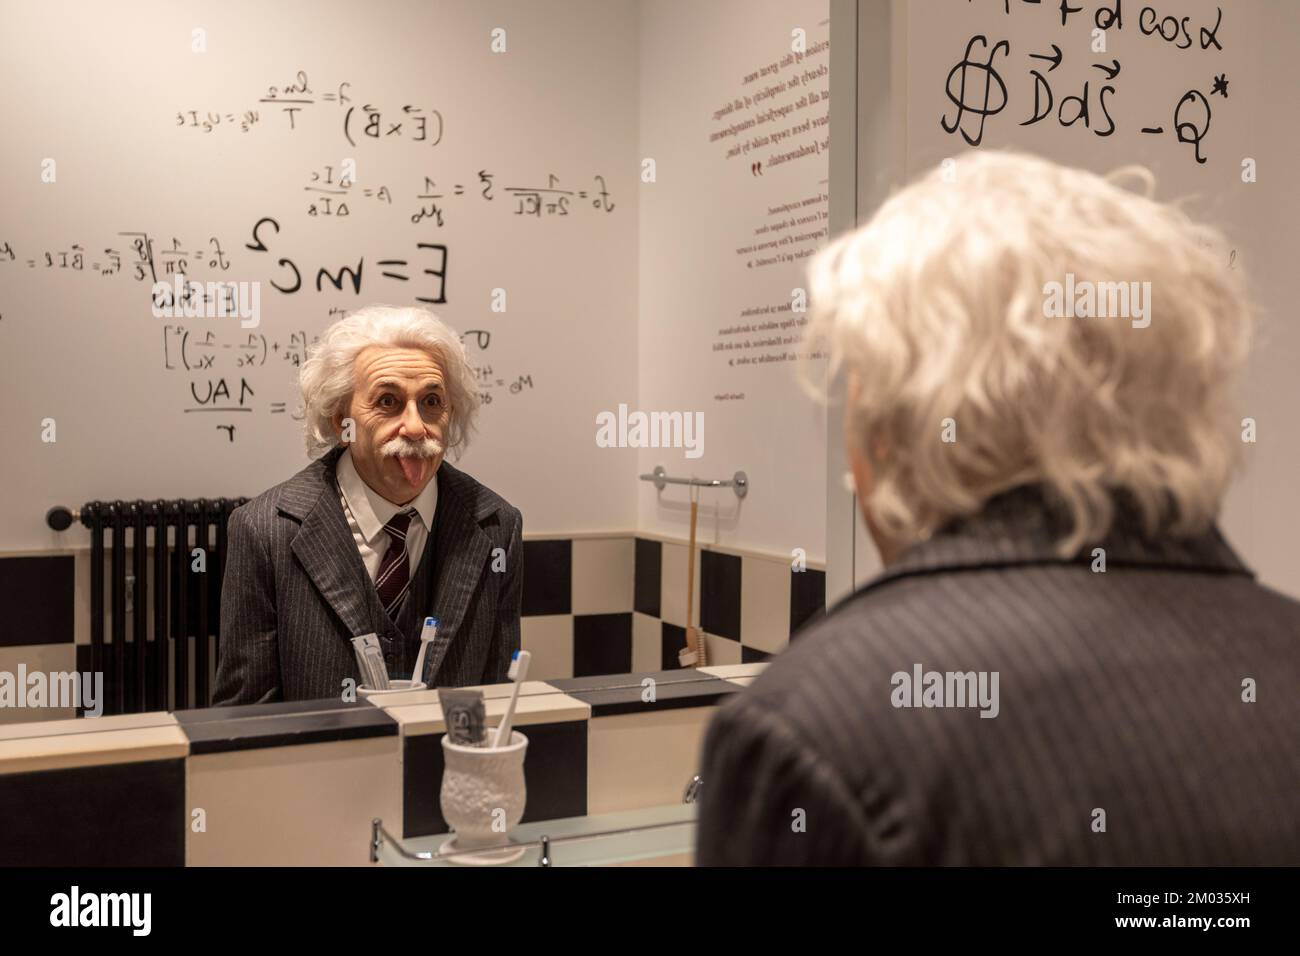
(1012, 321)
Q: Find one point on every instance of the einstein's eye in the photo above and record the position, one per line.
(387, 401)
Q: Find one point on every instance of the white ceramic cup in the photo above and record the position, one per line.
(483, 791)
(365, 692)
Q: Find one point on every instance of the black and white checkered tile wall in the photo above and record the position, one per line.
(591, 605)
(612, 605)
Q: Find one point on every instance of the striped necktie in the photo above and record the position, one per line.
(394, 577)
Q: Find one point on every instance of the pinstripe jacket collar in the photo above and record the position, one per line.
(312, 498)
(1018, 527)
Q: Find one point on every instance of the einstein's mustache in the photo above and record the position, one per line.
(411, 448)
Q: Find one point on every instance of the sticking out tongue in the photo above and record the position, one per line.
(415, 469)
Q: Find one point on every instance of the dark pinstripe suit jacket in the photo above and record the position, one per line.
(1119, 691)
(296, 592)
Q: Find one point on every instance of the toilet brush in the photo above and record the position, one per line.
(692, 655)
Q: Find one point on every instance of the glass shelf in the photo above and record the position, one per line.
(602, 840)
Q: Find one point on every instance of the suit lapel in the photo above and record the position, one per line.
(324, 544)
(460, 553)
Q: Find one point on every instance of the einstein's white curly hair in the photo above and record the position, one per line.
(327, 377)
(936, 306)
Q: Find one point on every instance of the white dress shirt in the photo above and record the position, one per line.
(368, 511)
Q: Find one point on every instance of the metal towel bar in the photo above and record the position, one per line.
(739, 481)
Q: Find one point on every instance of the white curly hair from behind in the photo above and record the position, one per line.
(936, 306)
(327, 377)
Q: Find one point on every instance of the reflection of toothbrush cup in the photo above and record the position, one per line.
(374, 671)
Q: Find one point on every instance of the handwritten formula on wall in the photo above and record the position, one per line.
(196, 285)
(409, 123)
(976, 87)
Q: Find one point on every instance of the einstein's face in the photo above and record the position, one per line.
(401, 411)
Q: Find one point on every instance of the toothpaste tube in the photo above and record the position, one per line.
(370, 661)
(465, 714)
(378, 669)
(363, 665)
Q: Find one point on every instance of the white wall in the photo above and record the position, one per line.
(97, 88)
(603, 308)
(1256, 120)
(701, 208)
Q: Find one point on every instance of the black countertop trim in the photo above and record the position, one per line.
(291, 723)
(202, 714)
(617, 681)
(612, 694)
(287, 724)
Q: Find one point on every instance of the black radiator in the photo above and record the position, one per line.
(166, 660)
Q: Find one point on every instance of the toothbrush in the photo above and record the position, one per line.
(427, 636)
(518, 671)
